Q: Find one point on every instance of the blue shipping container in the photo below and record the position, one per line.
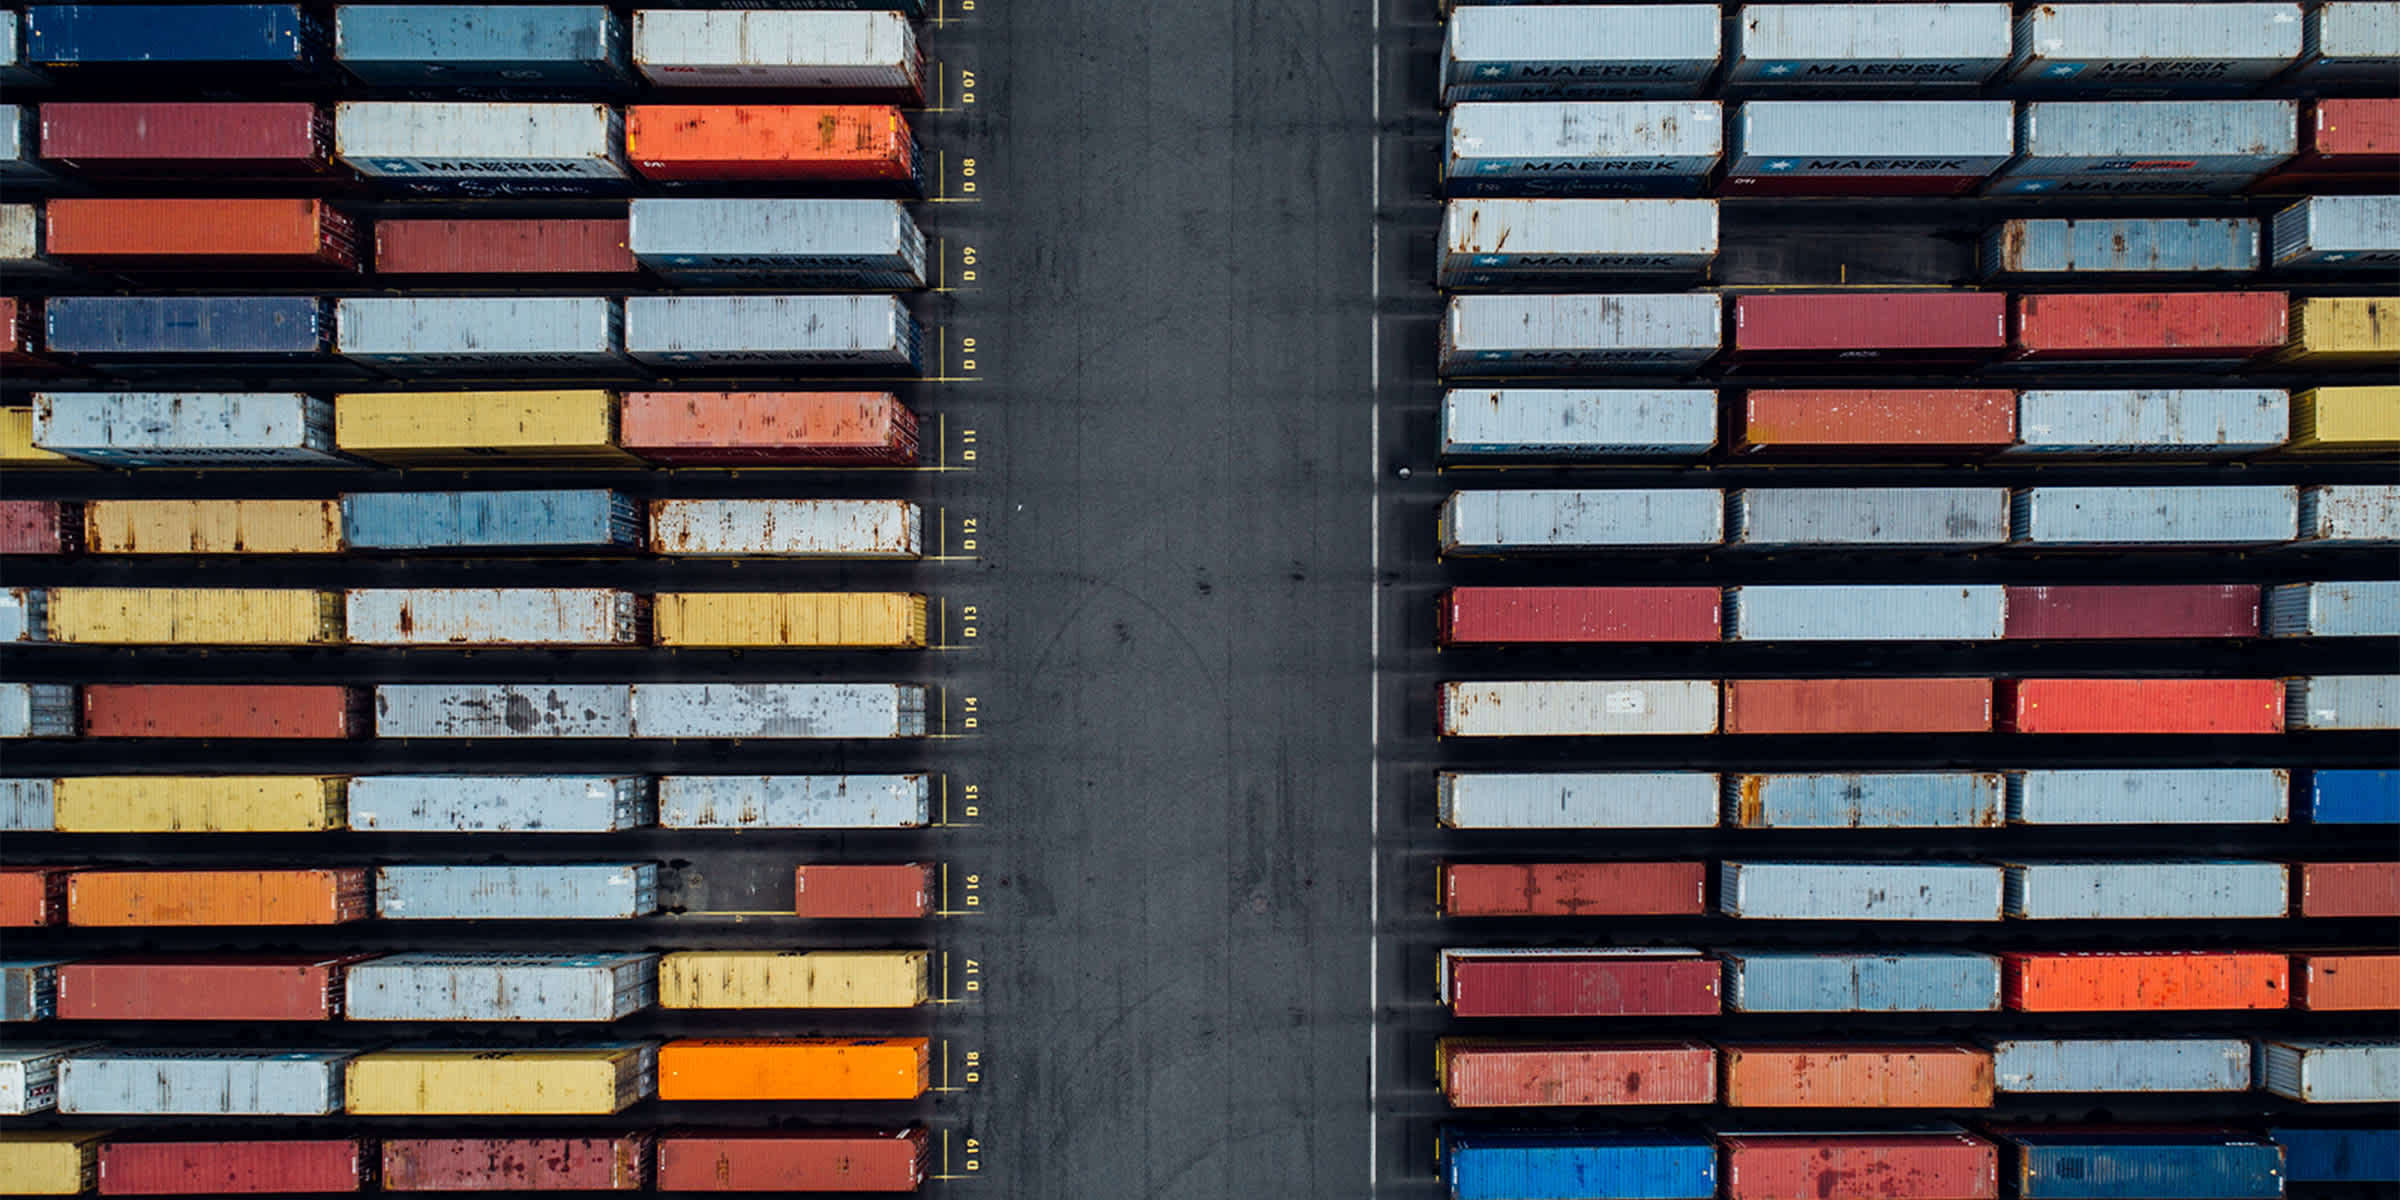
(2340, 1155)
(2154, 1166)
(1874, 800)
(218, 328)
(65, 35)
(1828, 982)
(481, 43)
(528, 520)
(2354, 798)
(2121, 247)
(1578, 1166)
(551, 891)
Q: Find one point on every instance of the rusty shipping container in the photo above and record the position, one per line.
(301, 896)
(533, 1164)
(33, 896)
(819, 143)
(1500, 1073)
(215, 141)
(2350, 889)
(1791, 706)
(234, 1168)
(271, 987)
(2221, 326)
(495, 617)
(1864, 328)
(2143, 981)
(213, 527)
(811, 1161)
(1798, 420)
(38, 527)
(855, 891)
(2141, 706)
(1581, 889)
(1932, 1075)
(2205, 610)
(194, 235)
(1482, 982)
(741, 429)
(2346, 982)
(504, 247)
(1470, 615)
(235, 710)
(1949, 1164)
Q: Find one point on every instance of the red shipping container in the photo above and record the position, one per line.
(2202, 610)
(1580, 614)
(743, 429)
(1777, 419)
(2350, 889)
(1858, 705)
(825, 1161)
(1568, 983)
(1849, 185)
(189, 140)
(827, 891)
(2141, 706)
(35, 527)
(558, 247)
(270, 987)
(202, 234)
(1494, 1073)
(2143, 981)
(1886, 1166)
(232, 1168)
(2353, 137)
(856, 142)
(2105, 325)
(220, 710)
(1934, 1075)
(1592, 889)
(517, 1164)
(1858, 327)
(33, 896)
(20, 323)
(2347, 982)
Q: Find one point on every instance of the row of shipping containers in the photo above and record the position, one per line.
(587, 710)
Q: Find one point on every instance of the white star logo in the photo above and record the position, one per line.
(1781, 164)
(1489, 260)
(1780, 69)
(1491, 72)
(2038, 185)
(2337, 258)
(2064, 69)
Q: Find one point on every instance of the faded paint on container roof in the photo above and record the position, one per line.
(797, 528)
(794, 801)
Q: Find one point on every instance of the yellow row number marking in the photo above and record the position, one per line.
(970, 711)
(966, 444)
(973, 799)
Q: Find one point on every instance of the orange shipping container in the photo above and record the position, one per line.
(321, 896)
(1497, 1073)
(2141, 705)
(2143, 981)
(1858, 705)
(1858, 1076)
(794, 1069)
(771, 141)
(732, 429)
(1894, 418)
(2350, 889)
(32, 896)
(2348, 982)
(203, 233)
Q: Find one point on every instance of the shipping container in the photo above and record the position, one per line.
(603, 710)
(619, 1163)
(188, 139)
(2143, 981)
(1849, 1075)
(736, 429)
(2340, 1155)
(1867, 49)
(195, 235)
(2346, 982)
(2353, 233)
(855, 52)
(2221, 515)
(2059, 251)
(2214, 706)
(755, 979)
(1529, 243)
(31, 896)
(2141, 1165)
(1868, 147)
(1493, 615)
(235, 1168)
(29, 1075)
(857, 620)
(212, 527)
(17, 451)
(24, 614)
(17, 140)
(1582, 148)
(2350, 889)
(1562, 1165)
(2354, 797)
(29, 988)
(202, 1083)
(50, 1162)
(2134, 611)
(204, 710)
(494, 617)
(859, 891)
(1864, 800)
(2349, 41)
(587, 519)
(2331, 1071)
(892, 529)
(2353, 514)
(719, 242)
(2155, 796)
(1865, 613)
(1579, 423)
(1853, 328)
(2153, 50)
(1859, 891)
(299, 896)
(1825, 981)
(1572, 889)
(28, 805)
(1496, 522)
(20, 336)
(270, 987)
(21, 239)
(2362, 608)
(1498, 1073)
(30, 710)
(1805, 420)
(874, 332)
(779, 710)
(1596, 982)
(1611, 800)
(13, 70)
(500, 147)
(38, 527)
(547, 892)
(2152, 889)
(794, 801)
(477, 333)
(1511, 335)
(474, 429)
(1582, 52)
(589, 1079)
(502, 986)
(1818, 706)
(1579, 708)
(2352, 139)
(2169, 421)
(858, 143)
(504, 45)
(159, 39)
(2346, 331)
(504, 247)
(187, 429)
(755, 1069)
(195, 616)
(2213, 326)
(1944, 1163)
(2342, 702)
(500, 803)
(2173, 144)
(1958, 517)
(128, 331)
(822, 1160)
(199, 803)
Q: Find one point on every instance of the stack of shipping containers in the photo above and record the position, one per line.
(471, 585)
(1917, 708)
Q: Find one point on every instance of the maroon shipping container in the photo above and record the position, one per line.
(215, 710)
(1580, 614)
(272, 987)
(2202, 610)
(37, 527)
(1579, 983)
(2144, 325)
(1901, 419)
(556, 247)
(1849, 185)
(1495, 1073)
(1863, 327)
(827, 891)
(1858, 705)
(232, 1168)
(1887, 1166)
(189, 140)
(517, 1164)
(825, 1161)
(1592, 889)
(2350, 889)
(20, 333)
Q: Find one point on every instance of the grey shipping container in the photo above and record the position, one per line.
(1784, 981)
(37, 710)
(2345, 513)
(1583, 519)
(501, 986)
(1583, 147)
(1864, 800)
(450, 332)
(2156, 889)
(545, 891)
(2191, 139)
(813, 243)
(2153, 421)
(24, 614)
(2153, 49)
(1579, 422)
(456, 710)
(827, 331)
(29, 988)
(494, 617)
(534, 146)
(1868, 48)
(2350, 41)
(507, 45)
(1510, 335)
(1817, 138)
(804, 51)
(187, 429)
(29, 1075)
(1791, 517)
(2158, 796)
(2355, 608)
(576, 518)
(126, 1081)
(234, 330)
(1859, 891)
(2178, 1064)
(1525, 243)
(18, 160)
(2331, 1070)
(2233, 515)
(1578, 52)
(2121, 248)
(2342, 702)
(795, 801)
(780, 710)
(2349, 232)
(1866, 613)
(28, 805)
(893, 529)
(499, 803)
(1577, 800)
(1579, 708)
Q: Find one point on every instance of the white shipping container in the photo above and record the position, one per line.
(1577, 800)
(499, 803)
(1657, 147)
(2157, 889)
(1582, 519)
(1952, 517)
(17, 141)
(819, 51)
(831, 243)
(187, 429)
(1866, 613)
(545, 891)
(14, 71)
(2184, 139)
(2331, 1070)
(202, 1083)
(489, 331)
(2152, 421)
(29, 1075)
(1508, 335)
(1878, 138)
(21, 241)
(2342, 702)
(1859, 891)
(779, 710)
(24, 614)
(861, 331)
(28, 805)
(1508, 243)
(1868, 47)
(2350, 232)
(2360, 514)
(795, 801)
(2077, 1065)
(1578, 51)
(892, 529)
(2355, 608)
(2229, 515)
(1579, 422)
(2161, 796)
(475, 140)
(503, 986)
(449, 710)
(2153, 48)
(2350, 40)
(37, 710)
(1579, 708)
(493, 617)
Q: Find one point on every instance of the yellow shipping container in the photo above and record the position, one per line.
(52, 1162)
(16, 443)
(213, 526)
(198, 803)
(887, 620)
(478, 428)
(794, 979)
(588, 1080)
(196, 616)
(2344, 331)
(2346, 419)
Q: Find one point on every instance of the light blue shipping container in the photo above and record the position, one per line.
(13, 70)
(1577, 1166)
(780, 710)
(580, 519)
(1786, 981)
(1864, 800)
(2342, 702)
(2187, 888)
(2151, 421)
(1859, 891)
(202, 1083)
(2176, 796)
(469, 710)
(2145, 1166)
(795, 801)
(2340, 1155)
(1866, 613)
(2033, 1065)
(501, 986)
(2352, 233)
(1963, 518)
(2228, 515)
(547, 891)
(25, 806)
(2354, 797)
(2038, 249)
(1579, 422)
(29, 988)
(2354, 608)
(499, 803)
(537, 45)
(2356, 1070)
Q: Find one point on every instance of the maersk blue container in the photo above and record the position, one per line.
(1578, 1166)
(2340, 1155)
(254, 35)
(583, 518)
(1756, 981)
(1863, 800)
(2150, 1166)
(2354, 798)
(215, 329)
(525, 44)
